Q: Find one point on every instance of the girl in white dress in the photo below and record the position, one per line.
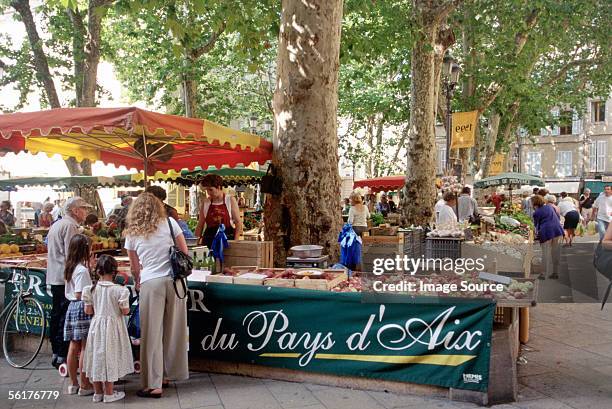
(108, 354)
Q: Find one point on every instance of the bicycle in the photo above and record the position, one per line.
(24, 317)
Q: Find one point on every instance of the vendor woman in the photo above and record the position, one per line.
(218, 208)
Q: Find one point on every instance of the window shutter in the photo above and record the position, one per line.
(602, 154)
(576, 124)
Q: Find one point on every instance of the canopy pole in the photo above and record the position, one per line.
(146, 159)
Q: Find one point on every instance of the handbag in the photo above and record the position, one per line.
(270, 183)
(603, 263)
(181, 264)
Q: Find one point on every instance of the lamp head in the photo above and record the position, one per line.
(253, 122)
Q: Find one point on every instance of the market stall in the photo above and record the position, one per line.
(259, 322)
(512, 181)
(381, 184)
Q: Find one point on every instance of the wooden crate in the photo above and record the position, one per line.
(248, 281)
(220, 278)
(375, 247)
(280, 282)
(321, 284)
(383, 231)
(373, 240)
(249, 253)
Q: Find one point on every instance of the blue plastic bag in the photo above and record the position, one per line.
(219, 243)
(134, 323)
(350, 246)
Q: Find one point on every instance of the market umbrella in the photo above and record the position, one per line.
(71, 182)
(231, 176)
(511, 180)
(80, 182)
(380, 184)
(131, 137)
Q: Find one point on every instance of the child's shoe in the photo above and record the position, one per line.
(86, 392)
(97, 397)
(73, 390)
(114, 397)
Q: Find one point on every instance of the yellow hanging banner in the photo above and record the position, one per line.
(463, 129)
(497, 164)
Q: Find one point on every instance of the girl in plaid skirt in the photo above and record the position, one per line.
(76, 275)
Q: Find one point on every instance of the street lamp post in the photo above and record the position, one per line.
(253, 123)
(451, 76)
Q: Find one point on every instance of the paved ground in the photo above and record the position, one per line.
(568, 365)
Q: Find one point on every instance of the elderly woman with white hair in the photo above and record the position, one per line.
(551, 200)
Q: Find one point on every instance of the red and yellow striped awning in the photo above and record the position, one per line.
(131, 137)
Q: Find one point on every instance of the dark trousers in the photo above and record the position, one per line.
(58, 316)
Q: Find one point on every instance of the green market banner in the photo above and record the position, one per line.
(36, 284)
(423, 340)
(440, 342)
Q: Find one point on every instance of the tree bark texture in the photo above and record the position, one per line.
(489, 145)
(306, 142)
(86, 71)
(41, 63)
(79, 35)
(419, 190)
(95, 14)
(190, 91)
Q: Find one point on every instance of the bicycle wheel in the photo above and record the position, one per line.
(23, 332)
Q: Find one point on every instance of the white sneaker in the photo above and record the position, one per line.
(86, 392)
(114, 397)
(97, 397)
(73, 390)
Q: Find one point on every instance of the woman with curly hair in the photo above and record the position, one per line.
(163, 315)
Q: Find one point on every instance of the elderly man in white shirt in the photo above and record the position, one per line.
(445, 215)
(58, 240)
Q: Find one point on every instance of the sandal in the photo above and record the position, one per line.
(146, 393)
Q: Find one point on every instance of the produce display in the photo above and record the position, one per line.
(510, 245)
(468, 285)
(101, 240)
(352, 285)
(513, 220)
(377, 218)
(447, 232)
(451, 184)
(286, 273)
(252, 220)
(310, 278)
(14, 245)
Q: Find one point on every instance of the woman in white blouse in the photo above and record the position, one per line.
(358, 214)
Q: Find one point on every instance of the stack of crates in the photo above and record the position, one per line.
(414, 242)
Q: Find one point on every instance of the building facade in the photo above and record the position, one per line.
(577, 150)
